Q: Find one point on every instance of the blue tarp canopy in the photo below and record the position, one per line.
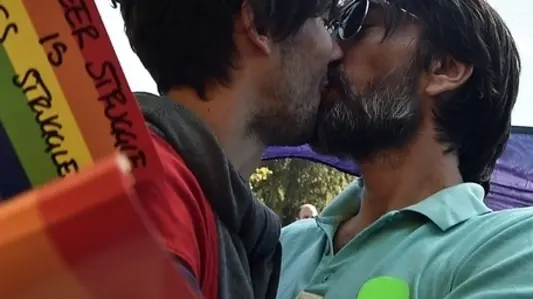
(512, 180)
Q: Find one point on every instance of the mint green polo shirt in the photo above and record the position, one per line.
(449, 246)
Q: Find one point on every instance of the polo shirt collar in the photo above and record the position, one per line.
(452, 205)
(445, 208)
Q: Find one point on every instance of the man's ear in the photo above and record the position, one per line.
(259, 40)
(447, 74)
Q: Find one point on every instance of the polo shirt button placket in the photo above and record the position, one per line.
(326, 278)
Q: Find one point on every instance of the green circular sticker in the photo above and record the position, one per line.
(384, 287)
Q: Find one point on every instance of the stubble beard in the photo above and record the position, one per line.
(294, 92)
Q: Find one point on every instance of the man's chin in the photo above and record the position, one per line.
(329, 97)
(323, 141)
(344, 147)
(322, 146)
(318, 148)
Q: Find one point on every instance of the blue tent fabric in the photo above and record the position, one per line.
(512, 180)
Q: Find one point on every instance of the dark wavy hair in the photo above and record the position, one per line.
(475, 120)
(190, 42)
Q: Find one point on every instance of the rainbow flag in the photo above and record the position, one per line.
(84, 237)
(65, 108)
(64, 101)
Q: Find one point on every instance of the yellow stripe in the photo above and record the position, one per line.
(30, 266)
(26, 53)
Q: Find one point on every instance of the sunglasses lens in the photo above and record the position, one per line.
(353, 18)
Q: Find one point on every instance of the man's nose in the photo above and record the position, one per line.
(337, 52)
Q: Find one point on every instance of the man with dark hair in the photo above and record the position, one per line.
(235, 76)
(422, 102)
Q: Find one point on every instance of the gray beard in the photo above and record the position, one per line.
(366, 126)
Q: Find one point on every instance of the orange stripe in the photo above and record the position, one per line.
(127, 122)
(105, 181)
(69, 66)
(94, 223)
(29, 265)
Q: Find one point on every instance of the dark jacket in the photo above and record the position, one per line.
(248, 231)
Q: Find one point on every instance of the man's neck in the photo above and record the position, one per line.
(411, 180)
(400, 179)
(228, 122)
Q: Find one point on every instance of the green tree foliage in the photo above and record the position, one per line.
(284, 185)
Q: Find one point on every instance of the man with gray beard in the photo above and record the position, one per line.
(422, 102)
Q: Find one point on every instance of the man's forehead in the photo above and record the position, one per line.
(398, 5)
(392, 12)
(389, 2)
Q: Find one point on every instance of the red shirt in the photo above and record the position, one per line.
(182, 214)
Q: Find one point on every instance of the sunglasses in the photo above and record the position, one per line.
(353, 16)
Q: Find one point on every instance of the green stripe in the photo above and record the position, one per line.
(21, 127)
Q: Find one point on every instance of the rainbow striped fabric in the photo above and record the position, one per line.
(84, 237)
(65, 108)
(64, 101)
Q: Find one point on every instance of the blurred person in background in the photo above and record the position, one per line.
(422, 102)
(307, 211)
(234, 77)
